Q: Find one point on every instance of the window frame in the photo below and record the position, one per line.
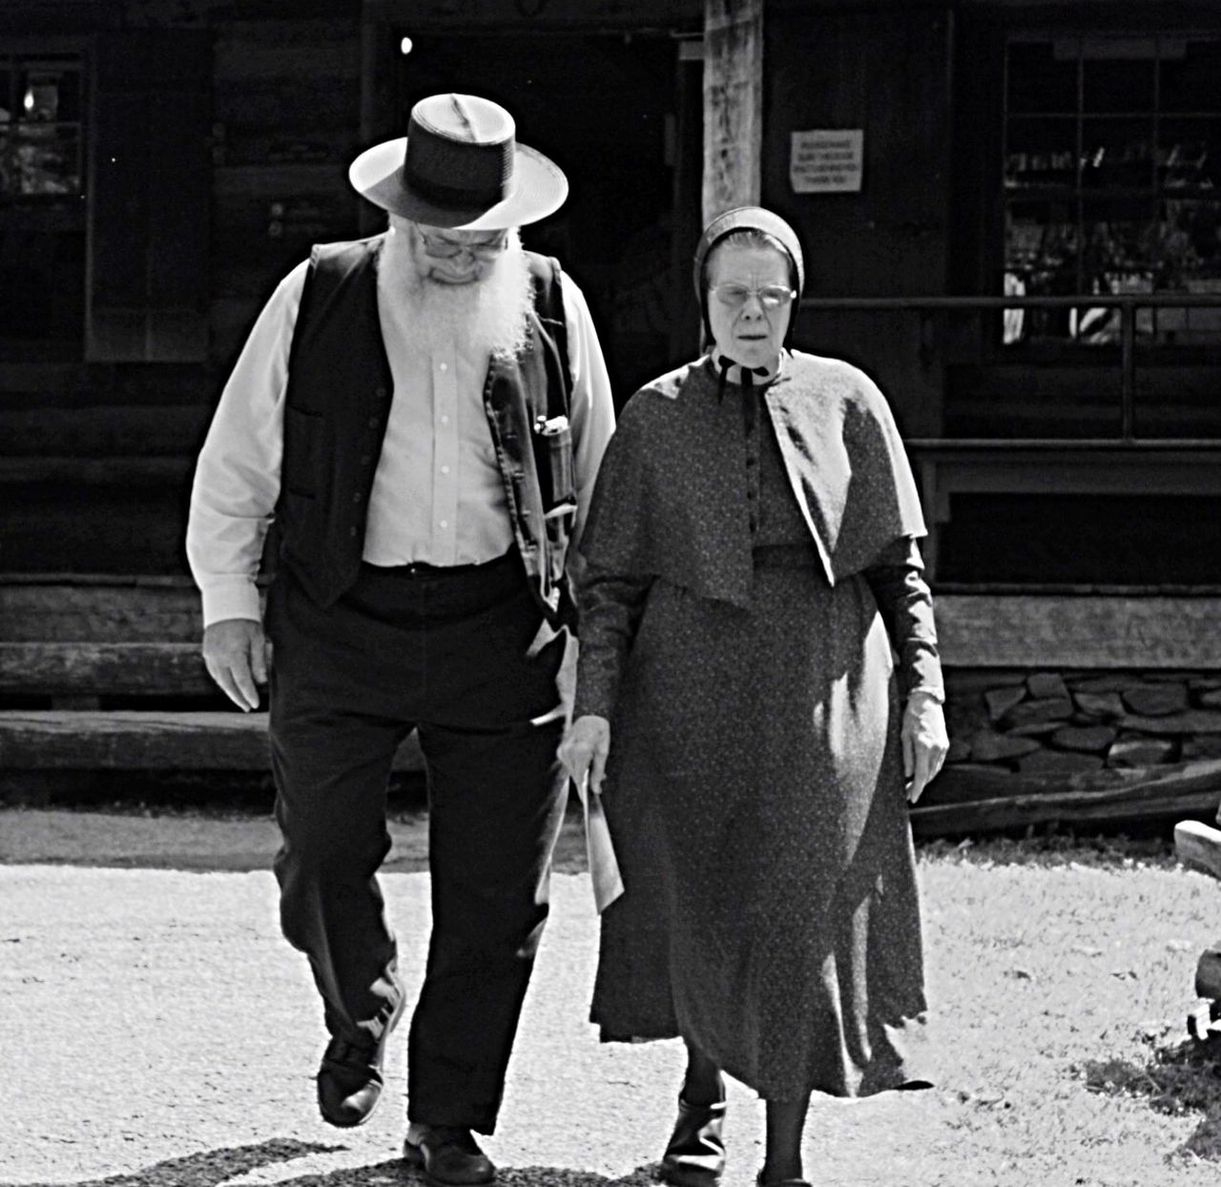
(1093, 44)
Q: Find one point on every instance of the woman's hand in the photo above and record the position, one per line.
(584, 750)
(925, 742)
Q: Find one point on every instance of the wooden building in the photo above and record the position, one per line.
(1011, 217)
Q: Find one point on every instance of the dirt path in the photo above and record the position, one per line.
(201, 841)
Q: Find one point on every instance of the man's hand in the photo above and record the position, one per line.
(236, 654)
(925, 742)
(584, 750)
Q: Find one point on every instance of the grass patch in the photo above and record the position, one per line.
(1061, 974)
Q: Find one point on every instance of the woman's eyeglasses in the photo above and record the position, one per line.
(444, 247)
(771, 296)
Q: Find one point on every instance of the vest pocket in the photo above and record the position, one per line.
(559, 485)
(302, 446)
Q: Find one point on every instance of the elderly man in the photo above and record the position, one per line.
(422, 413)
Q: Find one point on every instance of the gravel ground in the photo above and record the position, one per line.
(156, 1031)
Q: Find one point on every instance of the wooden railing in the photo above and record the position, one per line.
(1117, 460)
(1132, 353)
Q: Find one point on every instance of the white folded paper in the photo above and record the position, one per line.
(603, 864)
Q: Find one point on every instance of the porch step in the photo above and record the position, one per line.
(145, 740)
(104, 669)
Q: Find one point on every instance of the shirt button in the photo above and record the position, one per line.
(445, 420)
(444, 523)
(444, 366)
(444, 469)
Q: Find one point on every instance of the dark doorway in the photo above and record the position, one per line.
(607, 108)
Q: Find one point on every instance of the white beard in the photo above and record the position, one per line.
(488, 316)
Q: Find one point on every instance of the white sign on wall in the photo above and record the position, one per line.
(826, 160)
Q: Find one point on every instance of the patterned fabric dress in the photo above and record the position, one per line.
(755, 796)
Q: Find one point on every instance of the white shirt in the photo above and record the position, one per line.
(437, 494)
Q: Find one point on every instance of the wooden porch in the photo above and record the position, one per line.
(103, 674)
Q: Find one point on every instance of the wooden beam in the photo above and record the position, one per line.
(104, 669)
(145, 741)
(1021, 631)
(111, 611)
(733, 104)
(474, 16)
(1198, 845)
(1017, 802)
(108, 471)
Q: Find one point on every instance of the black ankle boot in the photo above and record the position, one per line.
(695, 1156)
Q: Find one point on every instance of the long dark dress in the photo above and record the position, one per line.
(755, 796)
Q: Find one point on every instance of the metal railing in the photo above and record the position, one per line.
(1126, 303)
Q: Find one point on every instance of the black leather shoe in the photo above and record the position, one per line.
(350, 1082)
(695, 1156)
(447, 1154)
(350, 1077)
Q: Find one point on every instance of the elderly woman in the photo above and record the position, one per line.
(751, 562)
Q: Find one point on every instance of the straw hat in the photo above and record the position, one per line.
(460, 167)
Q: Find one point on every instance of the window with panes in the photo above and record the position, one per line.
(1112, 181)
(42, 205)
(40, 126)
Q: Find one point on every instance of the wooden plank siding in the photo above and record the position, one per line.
(886, 70)
(286, 111)
(148, 259)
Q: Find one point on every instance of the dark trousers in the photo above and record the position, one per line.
(444, 651)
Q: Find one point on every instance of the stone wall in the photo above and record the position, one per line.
(1047, 722)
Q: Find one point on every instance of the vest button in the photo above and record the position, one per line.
(373, 422)
(356, 498)
(365, 458)
(381, 393)
(351, 531)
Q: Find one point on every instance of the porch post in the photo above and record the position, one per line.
(733, 103)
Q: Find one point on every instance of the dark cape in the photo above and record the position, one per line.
(842, 452)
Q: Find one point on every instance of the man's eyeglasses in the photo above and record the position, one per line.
(445, 247)
(771, 296)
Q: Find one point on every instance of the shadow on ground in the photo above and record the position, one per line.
(214, 1167)
(1178, 1079)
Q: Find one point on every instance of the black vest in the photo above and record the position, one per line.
(338, 403)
